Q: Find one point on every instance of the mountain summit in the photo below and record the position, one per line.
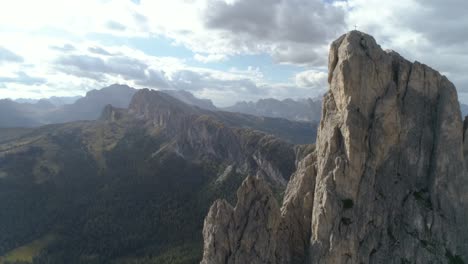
(387, 183)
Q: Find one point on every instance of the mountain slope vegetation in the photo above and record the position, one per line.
(132, 186)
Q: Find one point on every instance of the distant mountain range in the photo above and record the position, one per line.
(55, 100)
(33, 113)
(14, 114)
(299, 110)
(134, 185)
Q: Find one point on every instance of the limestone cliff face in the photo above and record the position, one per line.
(201, 135)
(246, 233)
(391, 178)
(389, 182)
(257, 230)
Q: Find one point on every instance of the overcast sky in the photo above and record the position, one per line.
(225, 50)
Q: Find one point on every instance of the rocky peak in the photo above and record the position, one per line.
(388, 181)
(112, 114)
(257, 230)
(188, 98)
(390, 147)
(160, 108)
(246, 233)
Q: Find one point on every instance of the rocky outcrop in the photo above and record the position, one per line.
(391, 180)
(246, 233)
(389, 183)
(201, 135)
(257, 230)
(296, 213)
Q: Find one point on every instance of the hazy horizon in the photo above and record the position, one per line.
(226, 51)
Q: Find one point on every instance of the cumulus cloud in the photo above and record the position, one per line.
(210, 58)
(196, 81)
(128, 68)
(23, 78)
(296, 21)
(8, 56)
(312, 79)
(115, 26)
(104, 68)
(63, 48)
(288, 31)
(292, 31)
(100, 51)
(442, 22)
(430, 31)
(154, 78)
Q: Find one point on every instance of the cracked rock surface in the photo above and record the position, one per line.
(387, 182)
(246, 233)
(391, 183)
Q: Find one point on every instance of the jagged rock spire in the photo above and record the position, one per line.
(391, 179)
(389, 183)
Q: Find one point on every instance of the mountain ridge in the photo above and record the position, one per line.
(133, 185)
(386, 184)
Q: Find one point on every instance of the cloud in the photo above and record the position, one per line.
(295, 21)
(115, 26)
(128, 68)
(102, 69)
(154, 79)
(443, 23)
(432, 32)
(312, 79)
(85, 64)
(292, 31)
(100, 51)
(64, 48)
(210, 58)
(300, 54)
(195, 81)
(23, 78)
(8, 56)
(285, 29)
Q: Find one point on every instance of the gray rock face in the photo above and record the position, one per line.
(391, 179)
(246, 233)
(296, 213)
(257, 230)
(388, 183)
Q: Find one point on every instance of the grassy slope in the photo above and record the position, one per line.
(27, 252)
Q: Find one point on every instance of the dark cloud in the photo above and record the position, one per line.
(291, 28)
(115, 26)
(298, 54)
(94, 67)
(83, 63)
(255, 17)
(64, 48)
(9, 56)
(442, 22)
(23, 78)
(431, 31)
(97, 68)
